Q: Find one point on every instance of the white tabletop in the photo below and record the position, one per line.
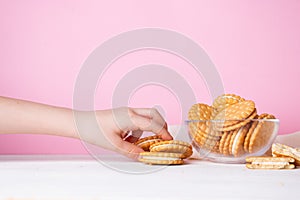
(80, 177)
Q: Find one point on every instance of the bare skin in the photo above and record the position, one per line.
(117, 129)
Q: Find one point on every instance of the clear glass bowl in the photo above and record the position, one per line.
(231, 141)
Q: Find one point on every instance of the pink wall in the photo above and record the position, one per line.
(255, 46)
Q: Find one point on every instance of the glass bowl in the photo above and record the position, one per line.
(231, 141)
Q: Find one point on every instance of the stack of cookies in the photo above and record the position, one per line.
(160, 152)
(231, 126)
(281, 150)
(283, 157)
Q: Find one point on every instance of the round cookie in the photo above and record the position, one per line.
(261, 134)
(199, 114)
(238, 143)
(251, 130)
(196, 133)
(226, 144)
(146, 142)
(253, 124)
(241, 122)
(234, 134)
(212, 147)
(222, 141)
(207, 144)
(200, 111)
(235, 124)
(161, 158)
(173, 146)
(223, 101)
(238, 111)
(209, 133)
(205, 138)
(197, 128)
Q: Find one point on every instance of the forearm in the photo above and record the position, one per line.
(18, 116)
(108, 130)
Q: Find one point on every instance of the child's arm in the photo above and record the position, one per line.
(18, 116)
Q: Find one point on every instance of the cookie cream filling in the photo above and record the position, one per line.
(159, 158)
(236, 140)
(270, 163)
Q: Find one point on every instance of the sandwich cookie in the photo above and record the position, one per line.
(161, 158)
(200, 128)
(223, 101)
(235, 116)
(200, 111)
(173, 146)
(237, 148)
(262, 133)
(199, 114)
(146, 142)
(270, 163)
(253, 125)
(280, 150)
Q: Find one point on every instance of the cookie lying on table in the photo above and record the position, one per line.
(281, 150)
(270, 162)
(170, 152)
(161, 158)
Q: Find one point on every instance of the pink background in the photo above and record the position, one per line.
(255, 46)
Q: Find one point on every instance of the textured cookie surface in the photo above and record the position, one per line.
(229, 124)
(261, 134)
(230, 127)
(173, 146)
(270, 166)
(200, 111)
(241, 110)
(280, 150)
(253, 125)
(161, 158)
(223, 101)
(146, 142)
(270, 163)
(237, 124)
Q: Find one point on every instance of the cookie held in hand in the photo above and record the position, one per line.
(146, 142)
(160, 152)
(173, 146)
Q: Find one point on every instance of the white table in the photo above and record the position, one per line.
(81, 177)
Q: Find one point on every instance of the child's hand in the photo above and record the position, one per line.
(121, 127)
(115, 125)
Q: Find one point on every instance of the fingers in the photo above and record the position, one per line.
(151, 113)
(128, 149)
(151, 120)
